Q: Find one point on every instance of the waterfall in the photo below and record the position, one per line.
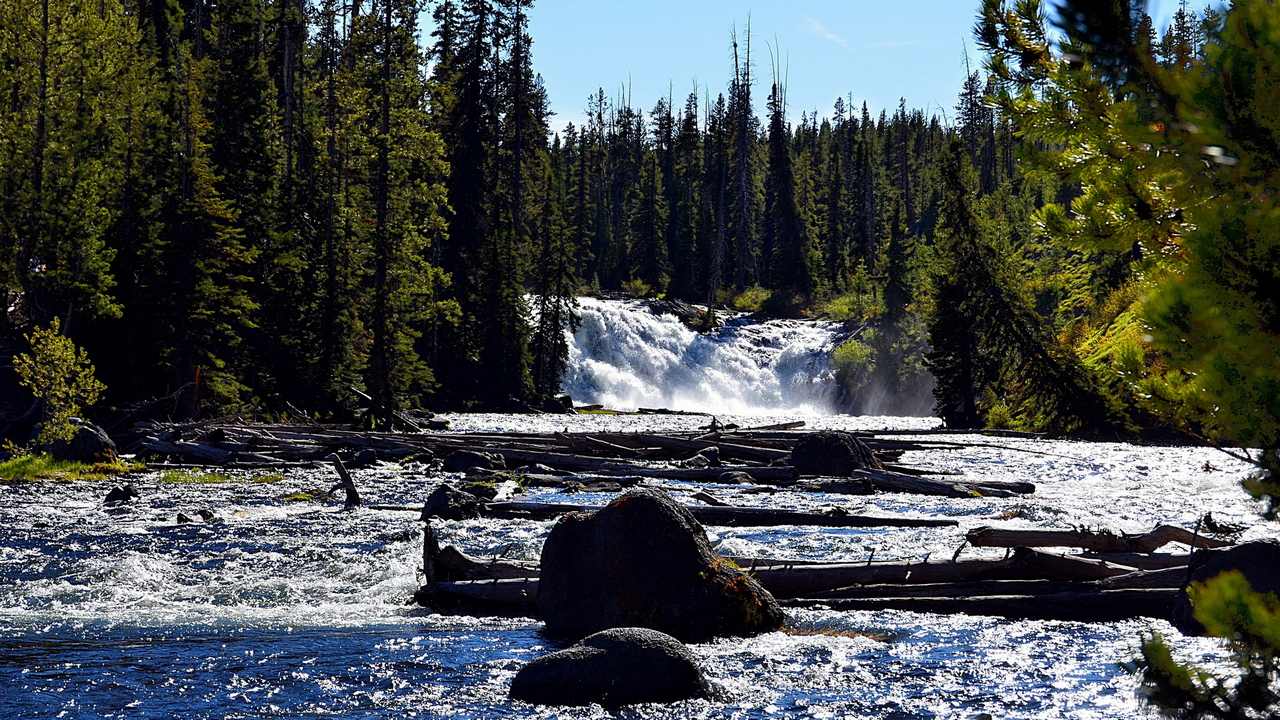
(624, 356)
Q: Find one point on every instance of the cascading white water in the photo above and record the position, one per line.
(624, 356)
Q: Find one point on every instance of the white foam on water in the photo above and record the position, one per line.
(624, 356)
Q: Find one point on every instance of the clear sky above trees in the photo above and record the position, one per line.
(879, 51)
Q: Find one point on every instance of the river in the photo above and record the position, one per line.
(298, 609)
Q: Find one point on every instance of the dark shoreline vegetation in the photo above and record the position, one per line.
(268, 207)
(310, 212)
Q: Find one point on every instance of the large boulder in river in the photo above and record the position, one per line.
(1258, 561)
(89, 444)
(622, 666)
(464, 460)
(829, 452)
(644, 561)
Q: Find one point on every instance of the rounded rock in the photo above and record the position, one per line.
(831, 453)
(620, 666)
(643, 560)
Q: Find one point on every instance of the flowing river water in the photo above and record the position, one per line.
(298, 609)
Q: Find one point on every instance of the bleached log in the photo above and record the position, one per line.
(727, 449)
(727, 516)
(1095, 540)
(1080, 606)
(510, 597)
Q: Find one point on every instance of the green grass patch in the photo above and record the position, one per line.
(303, 496)
(193, 477)
(201, 477)
(39, 466)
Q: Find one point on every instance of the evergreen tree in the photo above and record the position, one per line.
(836, 237)
(743, 215)
(245, 159)
(649, 228)
(686, 202)
(69, 80)
(407, 193)
(556, 285)
(955, 356)
(715, 196)
(786, 237)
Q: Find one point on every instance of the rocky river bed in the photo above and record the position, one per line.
(288, 607)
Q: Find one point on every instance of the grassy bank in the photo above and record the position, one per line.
(38, 466)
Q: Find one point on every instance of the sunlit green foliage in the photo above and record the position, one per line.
(1176, 155)
(59, 375)
(751, 299)
(1229, 608)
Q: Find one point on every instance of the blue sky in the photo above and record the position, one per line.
(877, 50)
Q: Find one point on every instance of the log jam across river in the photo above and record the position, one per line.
(293, 608)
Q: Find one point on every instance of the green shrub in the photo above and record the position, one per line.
(853, 355)
(999, 415)
(752, 299)
(637, 288)
(785, 305)
(861, 302)
(60, 375)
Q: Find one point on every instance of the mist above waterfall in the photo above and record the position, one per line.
(624, 356)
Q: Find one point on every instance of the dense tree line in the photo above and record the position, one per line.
(284, 204)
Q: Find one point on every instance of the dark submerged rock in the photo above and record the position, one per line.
(829, 452)
(706, 457)
(644, 561)
(1258, 561)
(449, 503)
(121, 495)
(622, 666)
(90, 444)
(464, 460)
(691, 316)
(363, 459)
(562, 404)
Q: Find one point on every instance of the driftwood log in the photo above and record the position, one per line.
(726, 516)
(1101, 541)
(1078, 605)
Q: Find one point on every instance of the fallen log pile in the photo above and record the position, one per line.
(762, 456)
(723, 516)
(1027, 584)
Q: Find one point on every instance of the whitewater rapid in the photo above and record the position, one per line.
(298, 609)
(624, 356)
